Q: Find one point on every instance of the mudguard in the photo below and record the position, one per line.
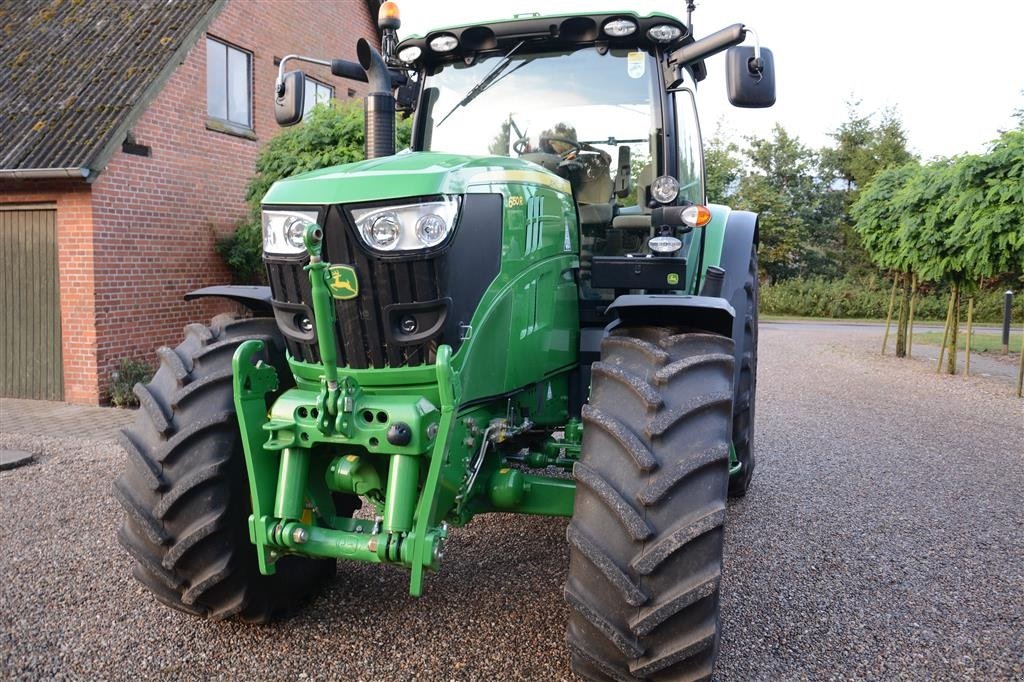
(255, 298)
(708, 313)
(740, 236)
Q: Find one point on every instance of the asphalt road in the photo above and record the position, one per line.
(883, 538)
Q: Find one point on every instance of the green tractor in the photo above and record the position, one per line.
(531, 311)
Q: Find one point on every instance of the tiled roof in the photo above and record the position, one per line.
(73, 71)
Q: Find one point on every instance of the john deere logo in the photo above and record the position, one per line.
(342, 281)
(673, 278)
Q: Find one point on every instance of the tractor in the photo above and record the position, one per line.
(533, 310)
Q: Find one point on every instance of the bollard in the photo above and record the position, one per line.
(1007, 307)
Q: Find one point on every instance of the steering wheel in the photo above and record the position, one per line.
(570, 155)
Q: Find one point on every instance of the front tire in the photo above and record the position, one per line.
(646, 534)
(185, 492)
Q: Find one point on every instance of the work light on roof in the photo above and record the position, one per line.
(409, 54)
(619, 28)
(664, 33)
(445, 42)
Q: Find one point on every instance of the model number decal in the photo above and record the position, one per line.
(514, 201)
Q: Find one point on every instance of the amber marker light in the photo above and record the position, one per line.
(696, 215)
(388, 15)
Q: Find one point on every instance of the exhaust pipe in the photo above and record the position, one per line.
(379, 110)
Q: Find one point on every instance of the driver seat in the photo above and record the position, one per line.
(593, 186)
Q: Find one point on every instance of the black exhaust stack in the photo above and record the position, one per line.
(379, 110)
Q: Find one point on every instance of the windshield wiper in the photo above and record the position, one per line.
(487, 81)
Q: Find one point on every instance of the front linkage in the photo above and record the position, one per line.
(372, 431)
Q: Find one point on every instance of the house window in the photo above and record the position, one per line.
(228, 84)
(316, 93)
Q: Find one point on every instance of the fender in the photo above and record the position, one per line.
(740, 236)
(709, 313)
(256, 299)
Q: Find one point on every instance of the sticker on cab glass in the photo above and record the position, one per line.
(342, 282)
(636, 65)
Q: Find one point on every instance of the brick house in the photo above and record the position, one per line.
(128, 132)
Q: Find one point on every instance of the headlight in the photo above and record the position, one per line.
(406, 227)
(665, 189)
(283, 231)
(619, 28)
(664, 33)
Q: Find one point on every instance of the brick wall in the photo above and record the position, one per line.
(155, 219)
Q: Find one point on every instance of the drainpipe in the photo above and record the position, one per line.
(379, 109)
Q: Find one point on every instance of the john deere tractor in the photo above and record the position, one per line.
(532, 310)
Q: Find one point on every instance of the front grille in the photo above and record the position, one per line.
(393, 288)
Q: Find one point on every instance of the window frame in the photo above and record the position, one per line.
(226, 124)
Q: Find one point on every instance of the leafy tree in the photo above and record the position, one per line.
(879, 221)
(330, 134)
(722, 167)
(862, 149)
(783, 187)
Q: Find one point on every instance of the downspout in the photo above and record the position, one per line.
(379, 110)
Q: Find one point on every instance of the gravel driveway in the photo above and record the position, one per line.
(883, 538)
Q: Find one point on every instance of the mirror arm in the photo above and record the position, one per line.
(718, 41)
(279, 86)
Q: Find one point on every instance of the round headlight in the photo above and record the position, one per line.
(431, 229)
(409, 54)
(619, 28)
(445, 42)
(382, 231)
(294, 231)
(665, 189)
(664, 33)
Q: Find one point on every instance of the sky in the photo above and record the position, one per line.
(952, 71)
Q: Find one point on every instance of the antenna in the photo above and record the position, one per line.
(690, 6)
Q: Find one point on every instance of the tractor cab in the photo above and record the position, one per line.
(605, 101)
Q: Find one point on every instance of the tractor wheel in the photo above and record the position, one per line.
(185, 490)
(746, 386)
(647, 528)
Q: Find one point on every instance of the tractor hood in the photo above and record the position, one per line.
(408, 174)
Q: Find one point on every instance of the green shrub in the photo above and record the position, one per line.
(868, 298)
(122, 379)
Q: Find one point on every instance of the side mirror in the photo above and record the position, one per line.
(750, 81)
(290, 98)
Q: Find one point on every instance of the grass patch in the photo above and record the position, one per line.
(982, 343)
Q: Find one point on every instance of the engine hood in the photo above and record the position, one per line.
(408, 174)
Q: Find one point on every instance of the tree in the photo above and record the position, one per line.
(330, 134)
(783, 187)
(886, 239)
(722, 167)
(862, 149)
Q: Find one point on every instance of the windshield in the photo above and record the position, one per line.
(554, 109)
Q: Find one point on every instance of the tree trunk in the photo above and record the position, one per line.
(945, 334)
(970, 324)
(901, 326)
(954, 326)
(910, 321)
(888, 317)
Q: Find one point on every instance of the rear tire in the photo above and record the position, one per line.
(185, 491)
(646, 534)
(746, 386)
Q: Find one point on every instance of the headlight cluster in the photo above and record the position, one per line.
(406, 227)
(283, 231)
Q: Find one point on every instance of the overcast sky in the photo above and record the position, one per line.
(954, 71)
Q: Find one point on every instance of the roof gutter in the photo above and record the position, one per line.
(43, 173)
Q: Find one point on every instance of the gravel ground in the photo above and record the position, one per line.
(883, 538)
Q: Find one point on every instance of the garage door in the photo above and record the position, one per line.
(30, 334)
